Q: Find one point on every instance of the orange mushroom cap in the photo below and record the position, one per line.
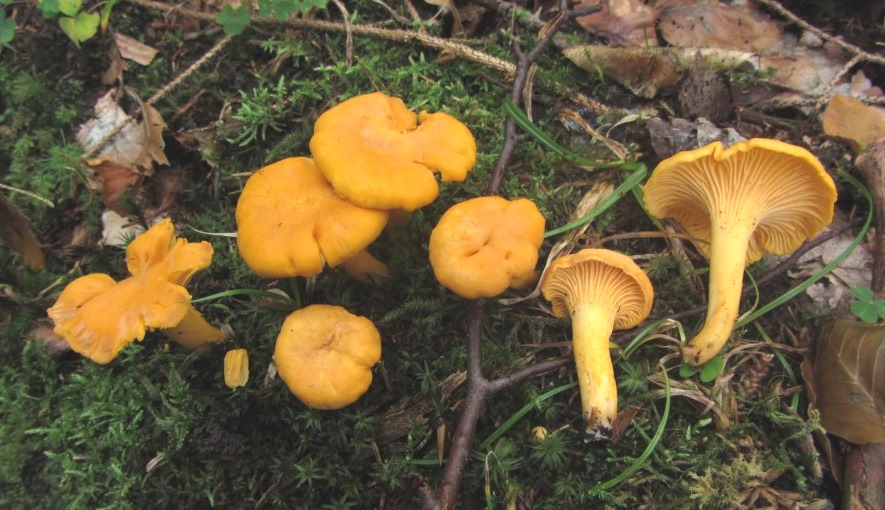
(98, 316)
(754, 197)
(378, 154)
(325, 355)
(483, 245)
(290, 222)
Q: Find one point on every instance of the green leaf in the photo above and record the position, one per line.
(305, 6)
(686, 371)
(106, 14)
(265, 8)
(282, 9)
(862, 293)
(865, 311)
(879, 304)
(70, 7)
(81, 28)
(233, 20)
(7, 29)
(49, 8)
(711, 369)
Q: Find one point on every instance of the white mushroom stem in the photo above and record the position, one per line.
(592, 325)
(728, 259)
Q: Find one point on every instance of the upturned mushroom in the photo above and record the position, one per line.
(484, 245)
(601, 290)
(290, 222)
(325, 355)
(99, 316)
(380, 155)
(738, 203)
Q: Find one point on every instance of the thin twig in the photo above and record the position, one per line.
(348, 32)
(854, 50)
(405, 36)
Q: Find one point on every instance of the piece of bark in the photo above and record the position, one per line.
(871, 164)
(864, 485)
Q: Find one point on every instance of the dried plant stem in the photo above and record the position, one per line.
(27, 193)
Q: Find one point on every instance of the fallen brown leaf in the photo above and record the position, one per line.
(134, 50)
(167, 185)
(115, 181)
(138, 145)
(846, 380)
(643, 71)
(44, 334)
(15, 232)
(622, 22)
(718, 25)
(851, 120)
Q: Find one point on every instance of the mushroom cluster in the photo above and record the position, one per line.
(735, 204)
(99, 316)
(371, 157)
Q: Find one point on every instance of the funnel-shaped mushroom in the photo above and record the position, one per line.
(756, 196)
(483, 245)
(325, 355)
(379, 154)
(290, 222)
(98, 316)
(601, 290)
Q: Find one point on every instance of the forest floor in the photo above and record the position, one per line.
(115, 115)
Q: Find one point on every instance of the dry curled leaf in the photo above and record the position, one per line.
(853, 121)
(15, 232)
(648, 71)
(622, 22)
(845, 377)
(138, 145)
(134, 50)
(718, 25)
(129, 153)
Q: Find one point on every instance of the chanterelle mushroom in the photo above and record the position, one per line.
(378, 154)
(483, 245)
(754, 197)
(98, 316)
(325, 355)
(600, 290)
(290, 222)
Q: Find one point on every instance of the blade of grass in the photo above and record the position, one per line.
(529, 127)
(246, 292)
(641, 337)
(655, 440)
(629, 183)
(518, 415)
